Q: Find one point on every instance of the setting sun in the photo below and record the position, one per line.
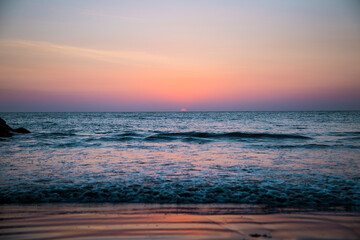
(280, 61)
(180, 119)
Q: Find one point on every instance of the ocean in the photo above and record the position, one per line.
(272, 159)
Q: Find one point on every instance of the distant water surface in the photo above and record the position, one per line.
(275, 159)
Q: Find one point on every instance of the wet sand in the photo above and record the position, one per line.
(139, 221)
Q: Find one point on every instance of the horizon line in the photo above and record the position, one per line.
(179, 111)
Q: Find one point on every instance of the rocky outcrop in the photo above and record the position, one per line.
(21, 130)
(7, 131)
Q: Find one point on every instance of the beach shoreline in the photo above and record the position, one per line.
(172, 221)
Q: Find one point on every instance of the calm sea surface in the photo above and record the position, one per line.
(275, 159)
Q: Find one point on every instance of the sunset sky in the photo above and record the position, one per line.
(169, 55)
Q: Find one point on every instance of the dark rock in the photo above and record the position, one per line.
(4, 125)
(255, 235)
(2, 122)
(21, 130)
(6, 130)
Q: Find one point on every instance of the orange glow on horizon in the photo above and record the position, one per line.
(167, 56)
(183, 109)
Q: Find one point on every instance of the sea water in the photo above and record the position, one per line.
(274, 159)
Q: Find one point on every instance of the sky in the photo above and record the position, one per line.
(227, 55)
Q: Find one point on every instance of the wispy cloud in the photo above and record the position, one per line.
(95, 13)
(88, 53)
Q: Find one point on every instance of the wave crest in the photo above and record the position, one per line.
(224, 135)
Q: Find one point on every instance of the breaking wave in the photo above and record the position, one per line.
(224, 135)
(288, 195)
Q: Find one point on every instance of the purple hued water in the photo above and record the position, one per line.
(275, 159)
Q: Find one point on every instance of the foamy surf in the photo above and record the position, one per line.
(277, 159)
